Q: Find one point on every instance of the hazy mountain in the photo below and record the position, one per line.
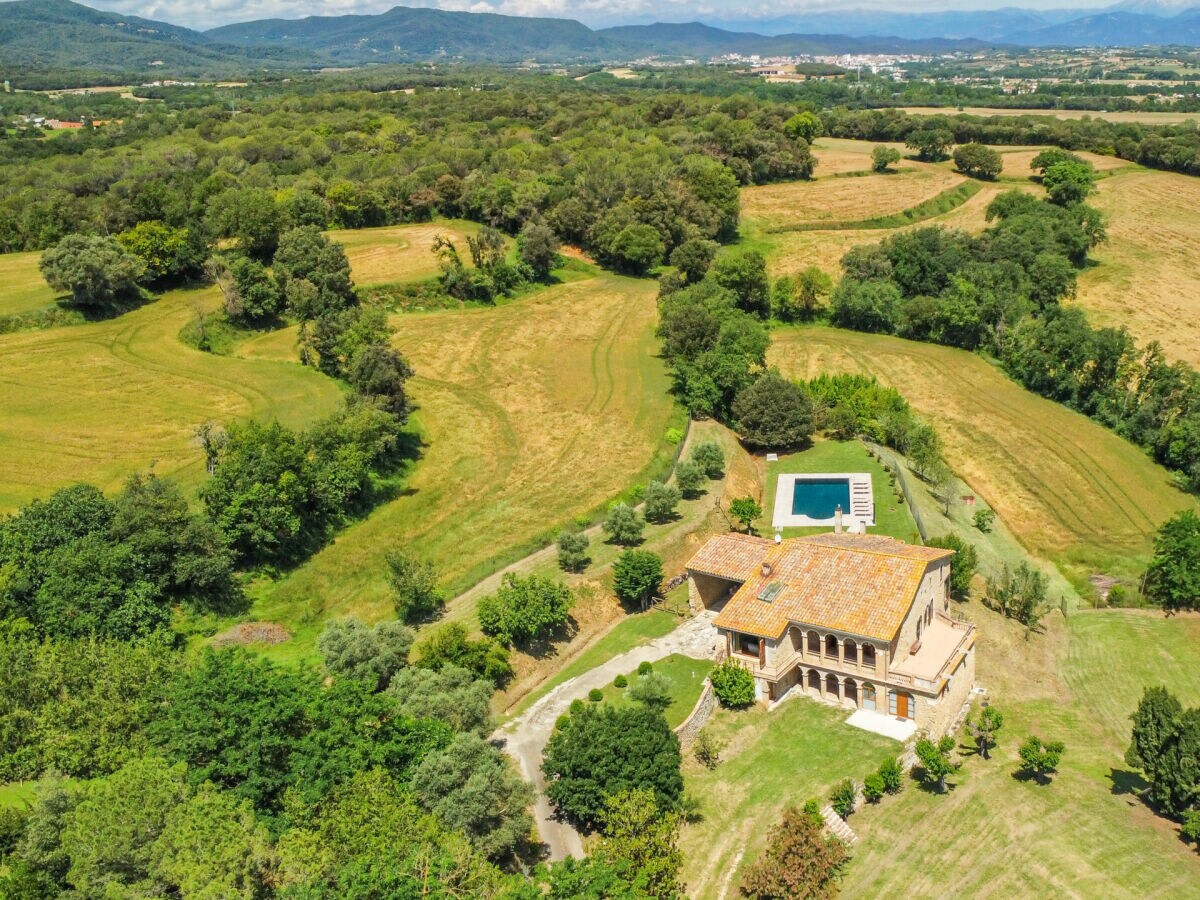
(1117, 29)
(59, 33)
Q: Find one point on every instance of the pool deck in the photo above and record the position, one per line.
(861, 512)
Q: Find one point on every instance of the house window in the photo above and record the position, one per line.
(868, 655)
(747, 644)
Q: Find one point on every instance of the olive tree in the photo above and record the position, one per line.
(96, 271)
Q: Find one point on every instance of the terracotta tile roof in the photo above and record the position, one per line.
(731, 556)
(856, 584)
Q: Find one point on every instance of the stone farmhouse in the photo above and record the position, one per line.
(861, 619)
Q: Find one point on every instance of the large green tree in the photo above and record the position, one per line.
(524, 609)
(97, 271)
(773, 412)
(1173, 576)
(599, 750)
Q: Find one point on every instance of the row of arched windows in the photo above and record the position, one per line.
(830, 646)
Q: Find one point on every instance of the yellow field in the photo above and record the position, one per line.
(836, 156)
(1069, 489)
(399, 252)
(22, 287)
(100, 401)
(844, 199)
(1148, 118)
(1149, 273)
(534, 412)
(1016, 161)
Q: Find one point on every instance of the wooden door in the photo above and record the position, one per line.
(901, 705)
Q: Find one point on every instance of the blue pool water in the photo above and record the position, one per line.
(819, 498)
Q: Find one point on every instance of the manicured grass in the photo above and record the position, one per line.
(1085, 834)
(534, 413)
(686, 678)
(1069, 489)
(891, 514)
(769, 760)
(632, 631)
(100, 401)
(22, 287)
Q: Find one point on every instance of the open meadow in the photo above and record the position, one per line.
(399, 253)
(1086, 834)
(1133, 115)
(1148, 272)
(99, 401)
(22, 287)
(1070, 490)
(533, 413)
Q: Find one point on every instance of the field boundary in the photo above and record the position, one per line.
(937, 205)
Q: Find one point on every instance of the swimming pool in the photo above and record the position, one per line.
(819, 498)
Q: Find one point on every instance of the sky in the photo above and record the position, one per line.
(210, 13)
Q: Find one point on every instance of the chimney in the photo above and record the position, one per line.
(766, 570)
(837, 520)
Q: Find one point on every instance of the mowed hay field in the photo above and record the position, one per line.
(1148, 277)
(844, 199)
(1069, 489)
(399, 253)
(1086, 834)
(534, 412)
(22, 287)
(1147, 118)
(100, 401)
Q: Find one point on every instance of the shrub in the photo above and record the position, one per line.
(746, 511)
(637, 576)
(620, 682)
(660, 501)
(1040, 759)
(883, 157)
(984, 519)
(978, 161)
(706, 749)
(962, 564)
(690, 478)
(370, 655)
(674, 435)
(892, 774)
(449, 645)
(733, 685)
(595, 695)
(572, 551)
(415, 591)
(645, 668)
(710, 458)
(843, 797)
(800, 860)
(873, 787)
(624, 525)
(653, 690)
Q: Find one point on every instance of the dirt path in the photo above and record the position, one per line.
(526, 736)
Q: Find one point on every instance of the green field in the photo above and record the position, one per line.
(891, 514)
(533, 413)
(17, 794)
(798, 751)
(22, 288)
(1069, 489)
(1085, 834)
(686, 678)
(99, 401)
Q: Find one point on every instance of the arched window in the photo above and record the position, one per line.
(851, 650)
(868, 655)
(814, 643)
(814, 679)
(832, 686)
(850, 691)
(831, 646)
(797, 640)
(868, 696)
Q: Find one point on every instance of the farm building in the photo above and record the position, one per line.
(859, 619)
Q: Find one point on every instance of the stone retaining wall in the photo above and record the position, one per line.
(699, 717)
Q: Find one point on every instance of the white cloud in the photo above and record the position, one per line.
(210, 13)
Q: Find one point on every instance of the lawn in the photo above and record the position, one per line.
(1147, 277)
(686, 678)
(99, 401)
(18, 793)
(1069, 489)
(534, 413)
(22, 287)
(891, 514)
(798, 751)
(1083, 835)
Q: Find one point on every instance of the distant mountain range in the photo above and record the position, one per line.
(61, 33)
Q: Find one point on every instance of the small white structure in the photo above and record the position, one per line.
(824, 499)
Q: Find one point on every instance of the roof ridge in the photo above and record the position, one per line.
(808, 539)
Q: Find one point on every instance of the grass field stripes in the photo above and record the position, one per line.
(938, 205)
